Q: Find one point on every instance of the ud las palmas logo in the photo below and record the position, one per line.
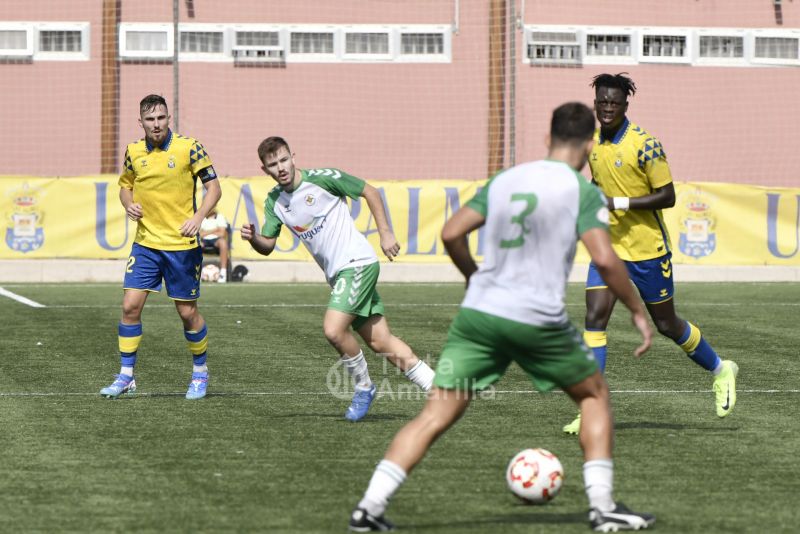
(698, 224)
(24, 232)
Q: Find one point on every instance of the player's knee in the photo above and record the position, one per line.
(668, 328)
(596, 318)
(333, 334)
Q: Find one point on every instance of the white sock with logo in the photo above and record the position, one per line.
(357, 368)
(385, 481)
(422, 375)
(598, 478)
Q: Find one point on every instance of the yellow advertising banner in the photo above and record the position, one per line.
(81, 217)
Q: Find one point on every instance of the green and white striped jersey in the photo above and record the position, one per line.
(535, 213)
(317, 214)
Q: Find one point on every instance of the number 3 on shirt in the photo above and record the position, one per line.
(530, 204)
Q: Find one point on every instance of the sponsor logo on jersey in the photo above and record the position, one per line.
(698, 236)
(307, 232)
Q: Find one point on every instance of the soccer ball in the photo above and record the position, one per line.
(535, 475)
(210, 273)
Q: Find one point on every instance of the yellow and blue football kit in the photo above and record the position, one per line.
(633, 164)
(163, 180)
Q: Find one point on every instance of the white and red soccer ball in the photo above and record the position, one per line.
(535, 475)
(209, 273)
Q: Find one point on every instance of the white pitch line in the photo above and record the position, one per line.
(326, 393)
(20, 298)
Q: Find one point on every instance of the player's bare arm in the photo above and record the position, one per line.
(262, 244)
(661, 198)
(454, 237)
(389, 243)
(132, 209)
(614, 273)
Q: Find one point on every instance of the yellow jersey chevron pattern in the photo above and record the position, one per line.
(632, 164)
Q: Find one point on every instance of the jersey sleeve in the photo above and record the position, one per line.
(337, 182)
(480, 202)
(592, 211)
(653, 162)
(272, 224)
(127, 176)
(198, 158)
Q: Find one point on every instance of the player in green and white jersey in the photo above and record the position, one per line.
(311, 203)
(514, 311)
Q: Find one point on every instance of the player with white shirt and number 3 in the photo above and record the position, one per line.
(311, 204)
(514, 311)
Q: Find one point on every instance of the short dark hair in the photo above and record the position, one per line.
(271, 145)
(614, 81)
(572, 123)
(150, 102)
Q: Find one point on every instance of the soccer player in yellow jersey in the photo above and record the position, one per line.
(630, 167)
(157, 190)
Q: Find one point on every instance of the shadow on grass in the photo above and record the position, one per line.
(484, 525)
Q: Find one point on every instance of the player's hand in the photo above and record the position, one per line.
(190, 227)
(248, 231)
(389, 245)
(641, 323)
(134, 211)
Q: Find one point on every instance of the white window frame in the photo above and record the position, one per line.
(721, 61)
(580, 42)
(447, 43)
(27, 52)
(126, 27)
(687, 56)
(792, 34)
(630, 59)
(333, 57)
(359, 28)
(282, 43)
(83, 55)
(224, 56)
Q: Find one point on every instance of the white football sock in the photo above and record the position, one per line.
(357, 368)
(422, 375)
(385, 481)
(598, 478)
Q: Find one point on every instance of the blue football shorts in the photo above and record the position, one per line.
(653, 278)
(179, 269)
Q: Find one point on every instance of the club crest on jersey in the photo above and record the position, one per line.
(26, 233)
(171, 162)
(698, 223)
(144, 163)
(310, 200)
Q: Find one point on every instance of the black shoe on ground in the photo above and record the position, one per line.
(620, 518)
(361, 521)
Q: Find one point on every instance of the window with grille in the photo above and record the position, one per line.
(367, 43)
(776, 48)
(145, 40)
(311, 43)
(422, 43)
(554, 48)
(721, 46)
(608, 45)
(13, 40)
(670, 46)
(199, 42)
(60, 40)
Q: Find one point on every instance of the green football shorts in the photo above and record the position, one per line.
(354, 293)
(481, 346)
